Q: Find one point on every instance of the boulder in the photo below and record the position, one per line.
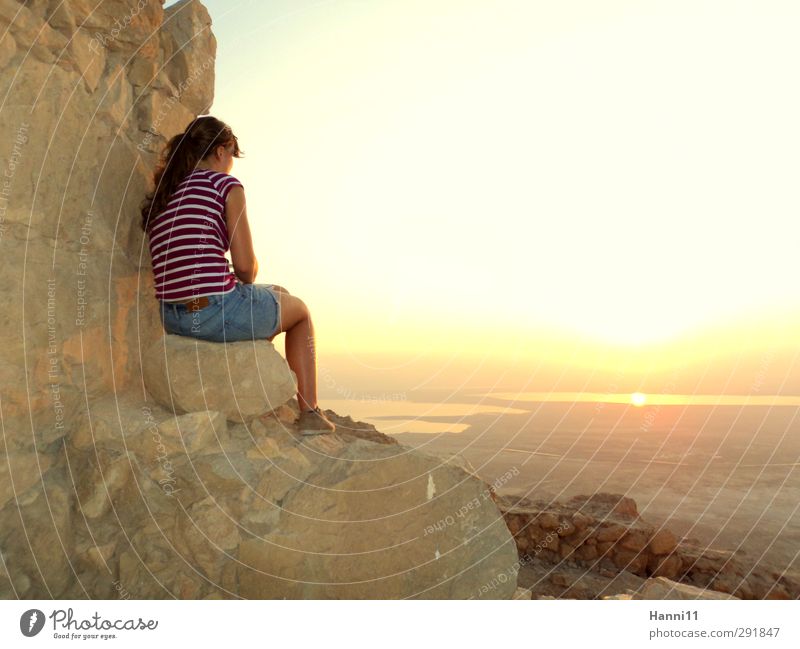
(663, 588)
(663, 542)
(242, 380)
(340, 518)
(255, 510)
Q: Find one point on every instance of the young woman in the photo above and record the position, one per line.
(195, 214)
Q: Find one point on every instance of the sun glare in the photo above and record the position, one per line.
(638, 399)
(463, 163)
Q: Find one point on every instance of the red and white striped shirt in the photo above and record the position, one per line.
(189, 239)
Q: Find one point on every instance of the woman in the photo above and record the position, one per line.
(195, 214)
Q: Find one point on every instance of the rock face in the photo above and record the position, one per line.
(604, 533)
(106, 493)
(93, 91)
(242, 380)
(193, 506)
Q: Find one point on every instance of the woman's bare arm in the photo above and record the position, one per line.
(243, 257)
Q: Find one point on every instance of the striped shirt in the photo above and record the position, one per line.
(189, 239)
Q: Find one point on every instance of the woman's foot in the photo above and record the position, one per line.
(313, 422)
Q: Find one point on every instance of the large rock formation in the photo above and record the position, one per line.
(104, 491)
(195, 506)
(91, 91)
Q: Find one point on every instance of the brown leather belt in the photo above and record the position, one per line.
(195, 304)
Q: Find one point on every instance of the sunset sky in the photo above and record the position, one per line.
(460, 179)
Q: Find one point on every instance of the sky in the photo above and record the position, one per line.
(461, 182)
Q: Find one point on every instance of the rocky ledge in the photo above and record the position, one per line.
(154, 503)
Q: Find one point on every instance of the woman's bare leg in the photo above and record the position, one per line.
(300, 346)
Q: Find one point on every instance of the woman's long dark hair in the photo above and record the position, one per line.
(180, 156)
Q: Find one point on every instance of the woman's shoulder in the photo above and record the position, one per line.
(223, 183)
(219, 178)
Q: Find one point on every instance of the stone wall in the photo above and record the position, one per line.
(604, 533)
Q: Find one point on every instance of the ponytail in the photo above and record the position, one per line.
(181, 156)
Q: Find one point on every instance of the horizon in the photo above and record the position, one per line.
(548, 250)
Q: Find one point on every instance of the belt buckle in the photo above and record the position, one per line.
(197, 303)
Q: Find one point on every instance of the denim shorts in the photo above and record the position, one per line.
(248, 312)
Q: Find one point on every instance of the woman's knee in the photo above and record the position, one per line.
(293, 310)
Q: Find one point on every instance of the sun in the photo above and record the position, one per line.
(638, 399)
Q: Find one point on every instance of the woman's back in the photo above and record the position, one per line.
(186, 218)
(189, 239)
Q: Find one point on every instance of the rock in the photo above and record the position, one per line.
(365, 523)
(626, 508)
(604, 548)
(254, 510)
(8, 48)
(98, 499)
(630, 560)
(99, 556)
(586, 553)
(609, 532)
(88, 293)
(605, 503)
(104, 493)
(243, 380)
(206, 535)
(566, 528)
(662, 542)
(456, 459)
(581, 521)
(708, 560)
(346, 426)
(663, 588)
(522, 593)
(192, 434)
(550, 542)
(634, 540)
(19, 472)
(548, 521)
(565, 550)
(80, 301)
(37, 536)
(613, 540)
(668, 566)
(187, 62)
